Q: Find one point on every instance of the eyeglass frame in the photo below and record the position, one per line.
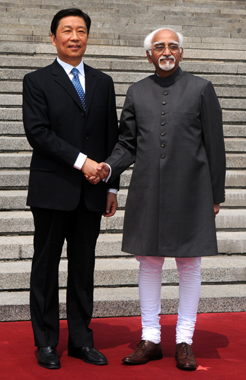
(169, 47)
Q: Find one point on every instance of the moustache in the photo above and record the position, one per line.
(164, 57)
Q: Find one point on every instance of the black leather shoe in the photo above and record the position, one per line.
(88, 355)
(48, 358)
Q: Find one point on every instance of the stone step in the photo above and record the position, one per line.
(15, 160)
(173, 17)
(231, 219)
(14, 179)
(14, 129)
(11, 128)
(29, 49)
(8, 128)
(235, 198)
(109, 245)
(234, 160)
(226, 102)
(21, 222)
(127, 73)
(18, 179)
(22, 160)
(234, 131)
(117, 25)
(235, 144)
(188, 4)
(154, 12)
(217, 80)
(20, 143)
(124, 301)
(9, 64)
(16, 199)
(229, 116)
(235, 179)
(115, 272)
(21, 247)
(11, 87)
(129, 38)
(14, 144)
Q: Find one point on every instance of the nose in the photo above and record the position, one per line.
(74, 35)
(166, 48)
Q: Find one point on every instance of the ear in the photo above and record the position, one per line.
(181, 54)
(53, 39)
(149, 56)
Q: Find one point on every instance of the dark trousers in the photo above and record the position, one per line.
(81, 229)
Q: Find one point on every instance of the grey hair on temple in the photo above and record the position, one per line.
(149, 38)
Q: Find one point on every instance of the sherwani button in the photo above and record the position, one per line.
(165, 93)
(162, 133)
(163, 145)
(163, 156)
(163, 123)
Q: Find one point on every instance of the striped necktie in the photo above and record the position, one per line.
(78, 87)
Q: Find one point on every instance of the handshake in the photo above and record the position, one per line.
(95, 172)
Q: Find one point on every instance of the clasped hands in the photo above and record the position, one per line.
(94, 172)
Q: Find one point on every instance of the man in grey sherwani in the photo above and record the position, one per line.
(171, 129)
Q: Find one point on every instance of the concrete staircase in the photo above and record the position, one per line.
(215, 49)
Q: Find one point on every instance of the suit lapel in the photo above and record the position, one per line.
(90, 85)
(61, 77)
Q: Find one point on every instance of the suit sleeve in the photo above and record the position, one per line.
(211, 119)
(124, 152)
(112, 132)
(37, 126)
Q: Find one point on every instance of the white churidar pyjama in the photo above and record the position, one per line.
(150, 270)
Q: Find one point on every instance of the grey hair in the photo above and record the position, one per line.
(149, 38)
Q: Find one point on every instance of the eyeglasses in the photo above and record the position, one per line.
(161, 48)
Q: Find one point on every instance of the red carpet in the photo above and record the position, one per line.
(219, 347)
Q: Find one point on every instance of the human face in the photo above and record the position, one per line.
(166, 61)
(70, 39)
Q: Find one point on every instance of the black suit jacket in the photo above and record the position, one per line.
(58, 129)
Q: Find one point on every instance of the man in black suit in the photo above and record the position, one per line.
(68, 138)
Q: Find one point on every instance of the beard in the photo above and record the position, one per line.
(166, 65)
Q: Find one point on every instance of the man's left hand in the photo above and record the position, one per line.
(111, 205)
(216, 209)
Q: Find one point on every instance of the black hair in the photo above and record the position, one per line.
(69, 12)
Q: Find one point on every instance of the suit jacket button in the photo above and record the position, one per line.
(86, 137)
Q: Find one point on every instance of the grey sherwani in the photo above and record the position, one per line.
(172, 129)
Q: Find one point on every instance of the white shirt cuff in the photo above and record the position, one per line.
(115, 191)
(109, 174)
(80, 161)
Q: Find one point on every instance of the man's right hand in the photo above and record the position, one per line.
(90, 168)
(95, 172)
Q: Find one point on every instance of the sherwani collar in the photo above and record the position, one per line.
(168, 81)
